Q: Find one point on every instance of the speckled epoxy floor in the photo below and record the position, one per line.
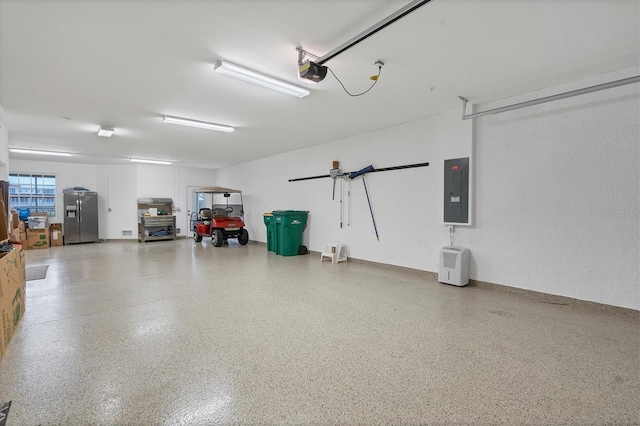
(177, 333)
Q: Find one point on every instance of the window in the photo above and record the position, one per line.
(34, 192)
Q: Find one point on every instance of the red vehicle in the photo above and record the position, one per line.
(223, 220)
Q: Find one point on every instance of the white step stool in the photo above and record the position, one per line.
(336, 252)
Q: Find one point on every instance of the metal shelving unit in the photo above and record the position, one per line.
(149, 226)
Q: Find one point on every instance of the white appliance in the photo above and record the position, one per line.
(454, 266)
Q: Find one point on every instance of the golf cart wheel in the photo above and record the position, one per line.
(217, 238)
(243, 237)
(196, 237)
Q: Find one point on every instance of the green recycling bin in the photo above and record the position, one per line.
(270, 222)
(289, 225)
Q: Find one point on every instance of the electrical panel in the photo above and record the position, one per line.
(456, 191)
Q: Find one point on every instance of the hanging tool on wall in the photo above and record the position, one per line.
(349, 203)
(341, 204)
(333, 173)
(362, 172)
(375, 228)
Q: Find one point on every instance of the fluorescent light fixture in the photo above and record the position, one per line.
(32, 151)
(140, 160)
(106, 132)
(195, 123)
(260, 79)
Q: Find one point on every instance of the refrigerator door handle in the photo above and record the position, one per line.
(79, 211)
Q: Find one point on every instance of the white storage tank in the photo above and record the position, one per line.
(454, 266)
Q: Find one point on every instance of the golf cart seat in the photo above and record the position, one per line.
(205, 215)
(219, 212)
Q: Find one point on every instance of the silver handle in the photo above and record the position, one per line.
(80, 211)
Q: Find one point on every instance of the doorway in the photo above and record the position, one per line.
(197, 201)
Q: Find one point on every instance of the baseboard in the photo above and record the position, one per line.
(540, 296)
(419, 272)
(558, 300)
(135, 240)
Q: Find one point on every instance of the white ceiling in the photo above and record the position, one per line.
(124, 64)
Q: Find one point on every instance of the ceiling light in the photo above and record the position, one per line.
(139, 160)
(105, 132)
(31, 151)
(196, 123)
(260, 79)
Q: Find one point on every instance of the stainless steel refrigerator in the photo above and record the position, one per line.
(80, 217)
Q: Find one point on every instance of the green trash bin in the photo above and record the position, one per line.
(270, 222)
(289, 225)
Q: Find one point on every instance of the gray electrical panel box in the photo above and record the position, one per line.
(456, 190)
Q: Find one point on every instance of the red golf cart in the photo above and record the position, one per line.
(223, 220)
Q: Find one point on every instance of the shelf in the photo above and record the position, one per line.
(148, 224)
(158, 220)
(163, 237)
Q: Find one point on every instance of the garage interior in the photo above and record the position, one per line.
(177, 331)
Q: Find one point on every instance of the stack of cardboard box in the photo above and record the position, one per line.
(12, 288)
(38, 234)
(38, 231)
(12, 281)
(18, 230)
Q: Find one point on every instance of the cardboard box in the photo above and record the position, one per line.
(15, 235)
(55, 231)
(21, 226)
(23, 239)
(14, 220)
(4, 221)
(12, 288)
(37, 238)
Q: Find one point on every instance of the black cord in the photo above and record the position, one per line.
(359, 94)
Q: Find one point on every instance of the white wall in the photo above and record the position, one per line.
(67, 176)
(125, 184)
(4, 151)
(556, 193)
(403, 201)
(155, 181)
(119, 187)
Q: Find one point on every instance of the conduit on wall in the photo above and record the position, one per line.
(551, 98)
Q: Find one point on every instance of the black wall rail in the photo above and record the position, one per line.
(384, 169)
